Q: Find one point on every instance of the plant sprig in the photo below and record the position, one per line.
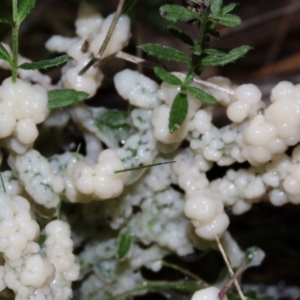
(206, 15)
(20, 11)
(56, 98)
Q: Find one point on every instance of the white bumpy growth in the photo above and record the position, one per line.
(22, 106)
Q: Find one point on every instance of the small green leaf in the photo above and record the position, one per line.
(188, 79)
(45, 64)
(178, 112)
(164, 52)
(216, 51)
(215, 7)
(4, 54)
(228, 8)
(229, 20)
(167, 76)
(211, 29)
(180, 35)
(201, 95)
(232, 56)
(24, 9)
(113, 126)
(6, 21)
(124, 244)
(64, 98)
(177, 13)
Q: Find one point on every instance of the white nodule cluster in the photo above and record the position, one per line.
(207, 216)
(248, 96)
(270, 133)
(138, 89)
(25, 271)
(85, 181)
(100, 180)
(59, 252)
(22, 106)
(210, 293)
(35, 175)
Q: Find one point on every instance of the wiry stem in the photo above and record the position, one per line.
(231, 280)
(2, 182)
(15, 41)
(107, 38)
(138, 60)
(184, 271)
(239, 290)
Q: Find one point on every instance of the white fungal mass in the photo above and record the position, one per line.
(171, 208)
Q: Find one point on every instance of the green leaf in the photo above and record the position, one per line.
(6, 21)
(229, 20)
(24, 9)
(211, 29)
(232, 56)
(188, 79)
(113, 126)
(167, 76)
(201, 95)
(4, 54)
(178, 112)
(228, 8)
(45, 64)
(164, 52)
(180, 35)
(124, 244)
(64, 98)
(177, 13)
(215, 7)
(216, 51)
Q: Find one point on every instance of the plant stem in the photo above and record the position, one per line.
(2, 182)
(239, 290)
(197, 49)
(184, 271)
(15, 41)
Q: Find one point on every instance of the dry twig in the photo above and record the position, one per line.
(107, 38)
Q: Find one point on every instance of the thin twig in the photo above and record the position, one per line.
(239, 290)
(145, 166)
(134, 59)
(184, 271)
(208, 84)
(231, 280)
(2, 182)
(107, 38)
(138, 60)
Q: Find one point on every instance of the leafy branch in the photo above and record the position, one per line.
(19, 12)
(206, 15)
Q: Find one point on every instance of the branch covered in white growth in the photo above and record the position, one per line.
(85, 181)
(138, 89)
(35, 175)
(59, 251)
